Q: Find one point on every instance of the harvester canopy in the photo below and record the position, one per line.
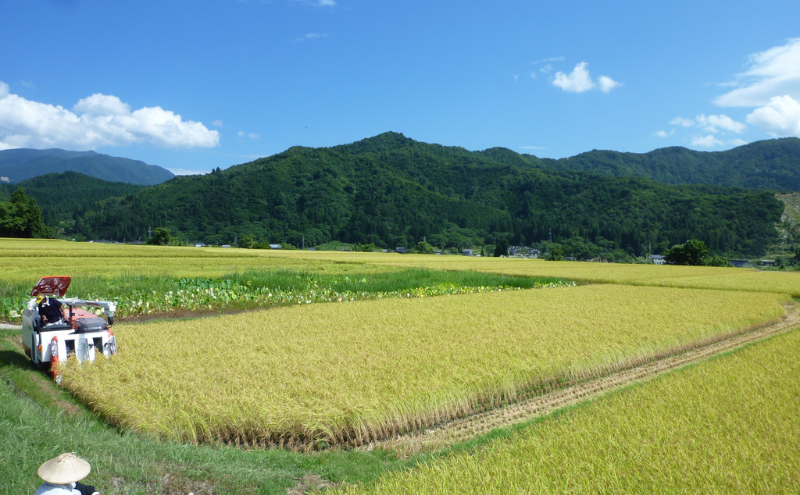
(51, 286)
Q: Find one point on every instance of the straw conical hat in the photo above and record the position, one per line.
(66, 468)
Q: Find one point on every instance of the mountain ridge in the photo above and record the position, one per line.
(393, 191)
(21, 164)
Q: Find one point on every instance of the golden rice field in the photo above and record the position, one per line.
(729, 425)
(346, 374)
(27, 259)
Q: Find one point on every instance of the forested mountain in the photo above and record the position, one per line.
(393, 191)
(21, 164)
(773, 165)
(64, 198)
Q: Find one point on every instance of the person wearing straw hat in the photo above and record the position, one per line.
(61, 476)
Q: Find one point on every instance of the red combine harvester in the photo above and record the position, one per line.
(78, 331)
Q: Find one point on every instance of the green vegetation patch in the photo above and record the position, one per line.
(136, 296)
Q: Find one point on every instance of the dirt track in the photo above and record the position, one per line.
(464, 429)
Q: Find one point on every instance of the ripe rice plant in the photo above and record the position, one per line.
(322, 375)
(729, 425)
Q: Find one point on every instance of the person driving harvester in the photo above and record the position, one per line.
(49, 310)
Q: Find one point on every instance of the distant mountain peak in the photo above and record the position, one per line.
(22, 163)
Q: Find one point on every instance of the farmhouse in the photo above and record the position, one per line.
(657, 259)
(467, 252)
(401, 249)
(274, 246)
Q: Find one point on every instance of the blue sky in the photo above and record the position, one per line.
(192, 85)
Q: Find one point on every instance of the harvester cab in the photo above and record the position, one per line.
(80, 331)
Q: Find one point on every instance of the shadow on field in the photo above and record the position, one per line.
(17, 360)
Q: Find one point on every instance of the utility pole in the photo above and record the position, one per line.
(304, 242)
(550, 235)
(149, 232)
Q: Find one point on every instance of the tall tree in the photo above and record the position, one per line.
(21, 217)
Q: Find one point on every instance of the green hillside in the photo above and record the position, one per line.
(394, 191)
(773, 165)
(64, 198)
(21, 164)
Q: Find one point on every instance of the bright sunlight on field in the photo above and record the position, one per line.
(725, 426)
(330, 374)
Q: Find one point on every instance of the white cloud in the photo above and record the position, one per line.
(100, 104)
(532, 148)
(607, 84)
(533, 75)
(217, 123)
(546, 69)
(665, 134)
(682, 122)
(706, 141)
(99, 120)
(770, 73)
(579, 80)
(722, 121)
(738, 142)
(251, 135)
(781, 116)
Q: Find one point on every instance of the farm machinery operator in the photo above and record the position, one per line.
(50, 309)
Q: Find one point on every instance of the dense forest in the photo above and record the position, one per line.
(393, 191)
(772, 165)
(65, 198)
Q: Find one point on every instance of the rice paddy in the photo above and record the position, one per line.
(28, 259)
(725, 426)
(321, 375)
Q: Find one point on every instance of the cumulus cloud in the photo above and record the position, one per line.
(579, 80)
(712, 122)
(781, 116)
(706, 141)
(664, 134)
(98, 120)
(607, 84)
(772, 84)
(770, 73)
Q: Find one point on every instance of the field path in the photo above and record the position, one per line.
(464, 429)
